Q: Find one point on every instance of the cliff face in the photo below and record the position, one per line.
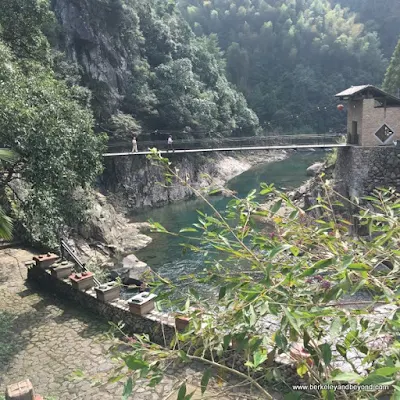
(89, 41)
(134, 182)
(142, 59)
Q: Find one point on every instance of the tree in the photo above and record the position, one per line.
(392, 77)
(125, 126)
(59, 156)
(289, 292)
(277, 51)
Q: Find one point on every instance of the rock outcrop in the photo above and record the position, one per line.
(135, 182)
(107, 233)
(315, 169)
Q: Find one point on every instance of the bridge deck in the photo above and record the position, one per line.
(278, 147)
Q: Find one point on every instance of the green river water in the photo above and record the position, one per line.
(165, 254)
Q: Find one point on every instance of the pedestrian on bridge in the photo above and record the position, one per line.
(170, 143)
(134, 144)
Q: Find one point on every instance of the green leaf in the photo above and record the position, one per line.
(328, 394)
(253, 316)
(116, 378)
(188, 230)
(342, 350)
(323, 263)
(276, 207)
(347, 377)
(295, 251)
(222, 292)
(205, 379)
(134, 363)
(259, 357)
(127, 389)
(281, 340)
(326, 353)
(183, 356)
(336, 327)
(387, 371)
(396, 394)
(374, 379)
(302, 370)
(359, 267)
(182, 392)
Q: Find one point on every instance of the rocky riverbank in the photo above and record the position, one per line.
(108, 234)
(132, 183)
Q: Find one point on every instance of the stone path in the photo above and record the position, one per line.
(46, 340)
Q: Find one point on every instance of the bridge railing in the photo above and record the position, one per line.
(211, 143)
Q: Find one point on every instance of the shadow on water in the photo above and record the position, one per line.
(165, 254)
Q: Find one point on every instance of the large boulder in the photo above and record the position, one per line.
(315, 169)
(132, 272)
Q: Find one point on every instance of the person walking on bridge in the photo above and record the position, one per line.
(170, 143)
(134, 144)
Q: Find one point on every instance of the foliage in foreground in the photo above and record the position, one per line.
(305, 290)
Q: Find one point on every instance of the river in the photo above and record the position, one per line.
(165, 254)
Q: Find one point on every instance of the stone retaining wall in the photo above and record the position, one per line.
(159, 326)
(360, 170)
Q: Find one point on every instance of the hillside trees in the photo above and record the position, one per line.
(290, 57)
(392, 77)
(382, 16)
(50, 129)
(141, 58)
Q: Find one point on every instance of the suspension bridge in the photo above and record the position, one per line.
(229, 144)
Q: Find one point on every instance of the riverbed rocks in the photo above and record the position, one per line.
(133, 271)
(107, 233)
(315, 169)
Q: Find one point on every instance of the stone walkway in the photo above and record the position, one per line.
(46, 340)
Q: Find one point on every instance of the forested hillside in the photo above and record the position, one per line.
(290, 57)
(382, 16)
(142, 59)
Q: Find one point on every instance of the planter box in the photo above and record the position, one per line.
(181, 322)
(142, 303)
(107, 292)
(82, 281)
(20, 391)
(45, 260)
(62, 269)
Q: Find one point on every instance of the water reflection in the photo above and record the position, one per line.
(166, 255)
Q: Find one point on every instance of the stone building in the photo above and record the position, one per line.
(373, 117)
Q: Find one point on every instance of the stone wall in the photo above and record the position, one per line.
(360, 170)
(159, 326)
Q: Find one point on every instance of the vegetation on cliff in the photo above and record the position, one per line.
(290, 57)
(141, 58)
(382, 16)
(48, 126)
